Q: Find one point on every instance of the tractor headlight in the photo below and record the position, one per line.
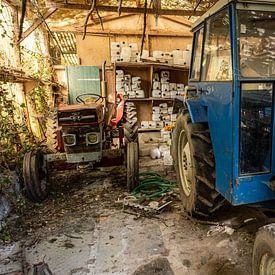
(92, 138)
(69, 139)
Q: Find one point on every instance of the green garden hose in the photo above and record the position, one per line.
(152, 186)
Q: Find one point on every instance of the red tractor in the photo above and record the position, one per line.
(88, 133)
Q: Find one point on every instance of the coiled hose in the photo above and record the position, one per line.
(152, 186)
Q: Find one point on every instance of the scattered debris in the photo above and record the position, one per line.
(41, 268)
(219, 229)
(158, 266)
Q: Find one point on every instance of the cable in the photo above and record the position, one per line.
(152, 186)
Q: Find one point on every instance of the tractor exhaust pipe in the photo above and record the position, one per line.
(104, 83)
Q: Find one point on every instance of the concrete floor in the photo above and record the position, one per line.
(85, 231)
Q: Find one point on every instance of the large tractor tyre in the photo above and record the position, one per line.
(35, 176)
(130, 124)
(263, 262)
(52, 132)
(195, 167)
(132, 165)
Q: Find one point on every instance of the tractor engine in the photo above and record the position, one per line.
(82, 132)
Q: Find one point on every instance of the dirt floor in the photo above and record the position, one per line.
(83, 229)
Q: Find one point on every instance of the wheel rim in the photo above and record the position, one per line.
(185, 164)
(267, 265)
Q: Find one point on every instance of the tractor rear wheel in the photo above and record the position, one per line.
(35, 176)
(130, 124)
(132, 165)
(195, 167)
(263, 262)
(52, 132)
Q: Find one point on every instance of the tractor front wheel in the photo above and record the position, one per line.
(263, 262)
(132, 165)
(130, 124)
(195, 167)
(35, 176)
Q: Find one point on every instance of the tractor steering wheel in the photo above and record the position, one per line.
(80, 98)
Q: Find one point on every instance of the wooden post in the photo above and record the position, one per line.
(15, 21)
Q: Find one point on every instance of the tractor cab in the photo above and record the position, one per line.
(233, 73)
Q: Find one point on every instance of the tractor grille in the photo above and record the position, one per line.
(79, 117)
(81, 144)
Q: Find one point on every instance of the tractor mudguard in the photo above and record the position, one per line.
(197, 111)
(119, 112)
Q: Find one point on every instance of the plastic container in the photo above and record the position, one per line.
(155, 77)
(120, 73)
(180, 86)
(123, 43)
(187, 57)
(164, 80)
(156, 109)
(163, 105)
(136, 86)
(132, 94)
(166, 94)
(177, 54)
(172, 86)
(156, 117)
(136, 79)
(127, 78)
(170, 110)
(158, 54)
(115, 45)
(156, 93)
(164, 112)
(159, 124)
(165, 87)
(134, 46)
(145, 124)
(174, 94)
(152, 124)
(165, 74)
(156, 85)
(155, 153)
(140, 94)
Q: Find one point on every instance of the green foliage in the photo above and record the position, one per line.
(5, 236)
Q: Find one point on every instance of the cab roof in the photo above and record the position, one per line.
(222, 3)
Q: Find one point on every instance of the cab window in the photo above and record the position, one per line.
(217, 64)
(197, 54)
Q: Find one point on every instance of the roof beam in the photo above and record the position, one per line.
(52, 4)
(135, 33)
(37, 23)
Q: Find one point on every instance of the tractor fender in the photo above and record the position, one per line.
(197, 110)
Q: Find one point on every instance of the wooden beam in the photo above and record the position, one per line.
(37, 23)
(52, 4)
(136, 33)
(179, 21)
(106, 19)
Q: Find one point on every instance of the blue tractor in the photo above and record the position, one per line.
(223, 145)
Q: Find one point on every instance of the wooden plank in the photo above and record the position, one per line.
(52, 4)
(136, 33)
(37, 23)
(182, 21)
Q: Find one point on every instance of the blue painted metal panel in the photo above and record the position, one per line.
(197, 111)
(82, 80)
(222, 101)
(217, 98)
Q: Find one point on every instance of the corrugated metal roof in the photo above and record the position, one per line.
(66, 43)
